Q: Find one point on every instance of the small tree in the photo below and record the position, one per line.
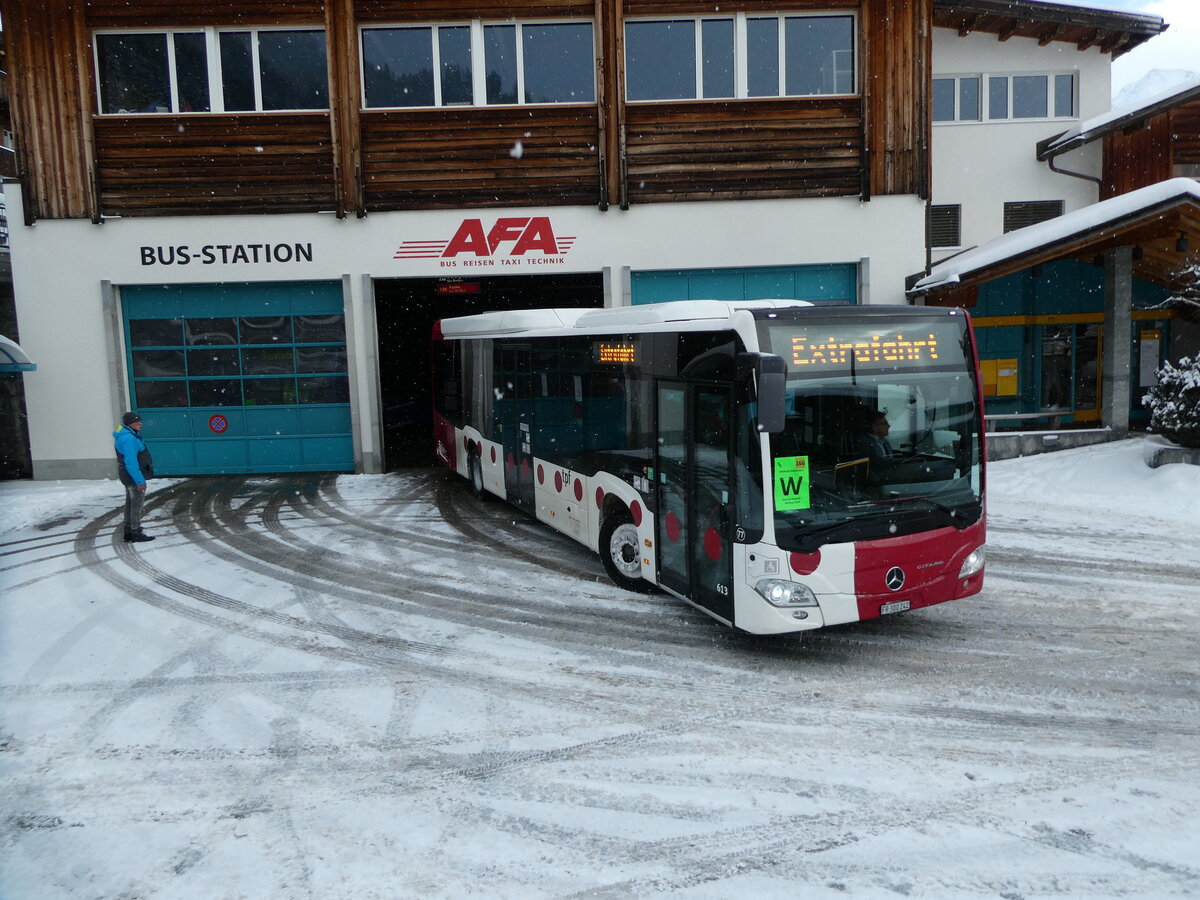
(1175, 402)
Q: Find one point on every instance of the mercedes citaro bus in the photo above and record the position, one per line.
(780, 465)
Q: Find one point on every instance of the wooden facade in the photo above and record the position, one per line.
(1151, 150)
(76, 163)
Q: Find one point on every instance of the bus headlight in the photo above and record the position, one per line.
(778, 592)
(973, 563)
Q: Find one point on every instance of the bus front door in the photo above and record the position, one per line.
(514, 408)
(693, 481)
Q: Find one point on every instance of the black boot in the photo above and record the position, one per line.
(137, 537)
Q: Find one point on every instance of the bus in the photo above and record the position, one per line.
(780, 465)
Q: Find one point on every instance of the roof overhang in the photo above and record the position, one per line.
(13, 359)
(1161, 221)
(1129, 119)
(1113, 32)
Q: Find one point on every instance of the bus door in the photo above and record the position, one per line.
(694, 494)
(514, 408)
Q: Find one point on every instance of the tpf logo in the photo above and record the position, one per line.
(509, 241)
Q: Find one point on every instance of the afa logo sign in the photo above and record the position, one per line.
(506, 241)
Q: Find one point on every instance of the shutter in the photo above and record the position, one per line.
(1030, 212)
(945, 225)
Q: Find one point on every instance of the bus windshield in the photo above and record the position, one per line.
(883, 429)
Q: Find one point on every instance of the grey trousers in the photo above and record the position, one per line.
(134, 501)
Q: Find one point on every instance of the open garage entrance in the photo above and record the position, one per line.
(406, 309)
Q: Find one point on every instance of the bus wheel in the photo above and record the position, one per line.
(475, 473)
(620, 551)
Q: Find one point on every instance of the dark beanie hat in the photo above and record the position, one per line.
(129, 418)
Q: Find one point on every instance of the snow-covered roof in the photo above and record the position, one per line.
(1119, 117)
(1024, 241)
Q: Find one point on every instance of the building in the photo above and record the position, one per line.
(1004, 77)
(242, 219)
(1074, 314)
(14, 438)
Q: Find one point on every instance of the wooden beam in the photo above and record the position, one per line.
(610, 97)
(1113, 41)
(1051, 34)
(1010, 29)
(1091, 40)
(345, 131)
(967, 25)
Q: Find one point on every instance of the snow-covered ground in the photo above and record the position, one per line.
(377, 687)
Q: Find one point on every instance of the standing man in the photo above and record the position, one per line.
(134, 466)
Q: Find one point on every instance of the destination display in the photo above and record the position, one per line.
(623, 353)
(828, 349)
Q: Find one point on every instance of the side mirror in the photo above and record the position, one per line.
(770, 378)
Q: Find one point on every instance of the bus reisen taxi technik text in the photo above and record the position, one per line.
(780, 465)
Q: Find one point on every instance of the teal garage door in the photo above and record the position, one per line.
(240, 378)
(818, 284)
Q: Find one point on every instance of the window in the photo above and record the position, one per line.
(739, 56)
(1031, 96)
(956, 99)
(478, 64)
(211, 70)
(1030, 212)
(239, 361)
(959, 98)
(945, 225)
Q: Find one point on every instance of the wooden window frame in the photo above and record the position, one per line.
(478, 72)
(216, 95)
(740, 59)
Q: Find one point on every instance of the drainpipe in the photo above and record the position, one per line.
(1048, 158)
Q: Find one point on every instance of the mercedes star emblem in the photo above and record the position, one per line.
(894, 578)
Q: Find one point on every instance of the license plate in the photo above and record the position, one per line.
(894, 607)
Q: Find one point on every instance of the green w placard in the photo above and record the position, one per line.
(791, 483)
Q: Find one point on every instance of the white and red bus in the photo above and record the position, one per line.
(780, 465)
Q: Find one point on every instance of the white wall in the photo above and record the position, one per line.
(982, 165)
(59, 267)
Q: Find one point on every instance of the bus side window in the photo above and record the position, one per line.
(447, 397)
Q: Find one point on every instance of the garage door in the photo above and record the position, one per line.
(240, 378)
(819, 284)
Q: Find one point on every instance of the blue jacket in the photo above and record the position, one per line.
(128, 443)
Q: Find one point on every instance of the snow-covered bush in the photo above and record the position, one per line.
(1175, 402)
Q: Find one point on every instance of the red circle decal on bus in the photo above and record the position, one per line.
(558, 481)
(493, 456)
(541, 475)
(673, 529)
(635, 510)
(599, 497)
(579, 490)
(712, 544)
(806, 563)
